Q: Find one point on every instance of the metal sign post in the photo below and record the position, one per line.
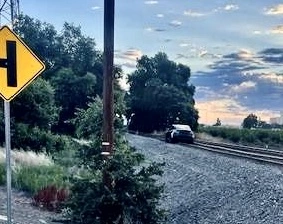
(8, 159)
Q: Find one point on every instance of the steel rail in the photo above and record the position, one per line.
(255, 153)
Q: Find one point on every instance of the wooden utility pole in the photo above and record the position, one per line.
(108, 76)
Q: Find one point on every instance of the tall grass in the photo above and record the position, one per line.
(31, 171)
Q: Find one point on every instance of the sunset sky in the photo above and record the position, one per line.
(234, 48)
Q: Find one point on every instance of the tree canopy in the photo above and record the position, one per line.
(74, 66)
(160, 94)
(250, 121)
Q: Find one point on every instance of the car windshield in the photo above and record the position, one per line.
(182, 127)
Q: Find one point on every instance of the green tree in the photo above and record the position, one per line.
(218, 122)
(42, 38)
(77, 51)
(74, 66)
(250, 121)
(160, 94)
(36, 106)
(71, 92)
(33, 112)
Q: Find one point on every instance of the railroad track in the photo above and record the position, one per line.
(260, 154)
(266, 155)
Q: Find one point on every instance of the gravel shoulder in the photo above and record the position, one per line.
(202, 187)
(22, 210)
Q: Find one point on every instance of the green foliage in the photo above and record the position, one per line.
(27, 138)
(33, 113)
(40, 37)
(78, 51)
(132, 195)
(33, 178)
(72, 92)
(64, 104)
(35, 105)
(67, 157)
(88, 122)
(2, 174)
(250, 121)
(72, 62)
(259, 137)
(160, 94)
(218, 122)
(116, 190)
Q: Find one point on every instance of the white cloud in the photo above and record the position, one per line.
(257, 32)
(160, 15)
(184, 45)
(277, 30)
(151, 29)
(175, 23)
(95, 7)
(193, 14)
(246, 54)
(243, 86)
(130, 54)
(275, 10)
(151, 2)
(202, 53)
(273, 77)
(231, 7)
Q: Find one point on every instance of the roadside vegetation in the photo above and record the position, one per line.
(56, 125)
(257, 137)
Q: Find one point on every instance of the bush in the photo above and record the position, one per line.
(120, 190)
(27, 137)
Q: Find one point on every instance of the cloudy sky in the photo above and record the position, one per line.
(234, 48)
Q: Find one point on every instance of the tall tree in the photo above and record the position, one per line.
(218, 122)
(160, 94)
(250, 121)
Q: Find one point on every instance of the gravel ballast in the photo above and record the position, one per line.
(203, 187)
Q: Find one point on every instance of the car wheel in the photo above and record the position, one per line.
(168, 139)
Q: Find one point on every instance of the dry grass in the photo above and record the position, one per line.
(26, 158)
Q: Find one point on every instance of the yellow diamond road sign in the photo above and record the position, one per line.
(19, 66)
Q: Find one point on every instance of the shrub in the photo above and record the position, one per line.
(120, 190)
(27, 137)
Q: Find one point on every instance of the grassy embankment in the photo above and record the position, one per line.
(256, 137)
